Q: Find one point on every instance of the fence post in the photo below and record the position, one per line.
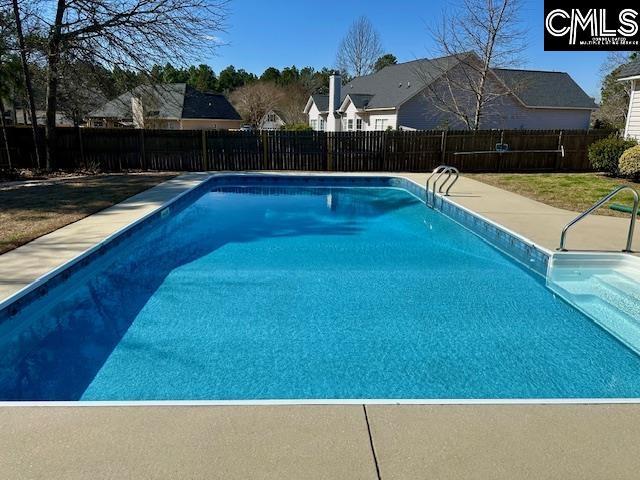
(443, 147)
(80, 143)
(500, 156)
(205, 161)
(559, 155)
(142, 152)
(328, 142)
(265, 150)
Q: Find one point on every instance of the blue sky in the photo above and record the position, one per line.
(281, 33)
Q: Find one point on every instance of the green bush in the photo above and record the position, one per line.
(604, 154)
(629, 164)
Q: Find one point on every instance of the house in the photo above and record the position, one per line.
(20, 116)
(175, 106)
(273, 120)
(405, 96)
(631, 73)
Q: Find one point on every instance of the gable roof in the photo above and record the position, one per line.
(395, 84)
(321, 101)
(537, 89)
(170, 101)
(631, 69)
(359, 100)
(208, 105)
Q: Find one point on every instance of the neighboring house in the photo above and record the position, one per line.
(631, 73)
(175, 106)
(402, 97)
(17, 115)
(273, 120)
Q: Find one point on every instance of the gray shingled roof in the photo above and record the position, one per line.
(395, 84)
(321, 101)
(630, 69)
(360, 100)
(208, 105)
(545, 89)
(175, 100)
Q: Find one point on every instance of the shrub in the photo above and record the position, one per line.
(604, 154)
(629, 164)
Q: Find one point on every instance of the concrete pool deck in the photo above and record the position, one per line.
(310, 442)
(318, 441)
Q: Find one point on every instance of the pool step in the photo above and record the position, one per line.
(605, 287)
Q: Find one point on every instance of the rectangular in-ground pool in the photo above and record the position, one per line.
(259, 288)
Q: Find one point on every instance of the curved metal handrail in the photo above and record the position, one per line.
(454, 171)
(447, 170)
(435, 170)
(598, 204)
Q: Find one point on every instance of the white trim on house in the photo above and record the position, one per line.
(308, 105)
(631, 129)
(625, 79)
(626, 125)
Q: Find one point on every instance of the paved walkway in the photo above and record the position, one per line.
(539, 222)
(339, 442)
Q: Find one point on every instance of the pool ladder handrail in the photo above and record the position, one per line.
(440, 170)
(598, 204)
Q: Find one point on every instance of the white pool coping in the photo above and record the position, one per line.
(167, 403)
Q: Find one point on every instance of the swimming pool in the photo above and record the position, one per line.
(254, 288)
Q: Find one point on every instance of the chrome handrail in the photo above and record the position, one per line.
(454, 171)
(598, 204)
(447, 170)
(435, 170)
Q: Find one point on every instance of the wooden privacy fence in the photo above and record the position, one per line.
(113, 150)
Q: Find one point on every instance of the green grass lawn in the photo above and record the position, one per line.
(28, 212)
(571, 191)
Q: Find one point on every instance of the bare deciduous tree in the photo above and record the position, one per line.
(359, 49)
(17, 17)
(255, 100)
(292, 103)
(615, 95)
(481, 35)
(130, 34)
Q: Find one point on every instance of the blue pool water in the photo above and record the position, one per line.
(307, 293)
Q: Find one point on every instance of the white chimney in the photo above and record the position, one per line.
(137, 111)
(333, 121)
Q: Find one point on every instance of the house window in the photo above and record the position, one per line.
(350, 124)
(358, 124)
(314, 124)
(381, 123)
(271, 118)
(321, 125)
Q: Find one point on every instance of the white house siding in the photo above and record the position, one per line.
(352, 114)
(272, 121)
(632, 129)
(422, 114)
(317, 120)
(387, 119)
